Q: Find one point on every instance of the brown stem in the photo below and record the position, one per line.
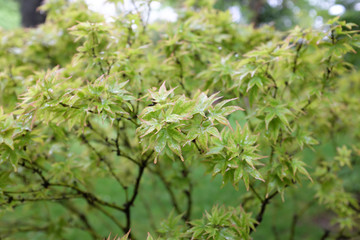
(89, 197)
(188, 193)
(129, 203)
(105, 161)
(298, 48)
(114, 219)
(293, 226)
(255, 192)
(325, 235)
(82, 218)
(260, 215)
(168, 188)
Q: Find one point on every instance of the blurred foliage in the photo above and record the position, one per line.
(89, 107)
(9, 14)
(283, 14)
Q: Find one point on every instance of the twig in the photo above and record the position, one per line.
(90, 198)
(82, 218)
(105, 161)
(128, 204)
(188, 193)
(151, 217)
(52, 198)
(298, 48)
(114, 219)
(293, 226)
(325, 235)
(256, 194)
(260, 215)
(168, 188)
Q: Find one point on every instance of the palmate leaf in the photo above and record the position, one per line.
(161, 95)
(176, 121)
(244, 171)
(7, 138)
(4, 179)
(274, 117)
(171, 227)
(12, 139)
(202, 133)
(126, 237)
(8, 154)
(219, 112)
(203, 102)
(223, 223)
(234, 156)
(299, 166)
(51, 100)
(183, 107)
(258, 81)
(276, 110)
(170, 137)
(343, 156)
(304, 138)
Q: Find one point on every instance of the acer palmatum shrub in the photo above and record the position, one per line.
(108, 128)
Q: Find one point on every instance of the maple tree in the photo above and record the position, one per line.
(85, 100)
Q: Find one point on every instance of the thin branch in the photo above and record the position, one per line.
(327, 74)
(260, 215)
(94, 129)
(36, 170)
(113, 218)
(298, 48)
(9, 231)
(188, 193)
(146, 22)
(23, 192)
(97, 113)
(276, 232)
(325, 235)
(197, 146)
(293, 226)
(150, 215)
(297, 216)
(130, 202)
(105, 161)
(181, 74)
(39, 199)
(82, 218)
(256, 194)
(90, 198)
(118, 152)
(273, 80)
(95, 57)
(168, 188)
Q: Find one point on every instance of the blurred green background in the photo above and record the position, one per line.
(9, 14)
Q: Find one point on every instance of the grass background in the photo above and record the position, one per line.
(9, 14)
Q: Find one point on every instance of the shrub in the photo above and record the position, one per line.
(95, 114)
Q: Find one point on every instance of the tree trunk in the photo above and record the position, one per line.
(30, 15)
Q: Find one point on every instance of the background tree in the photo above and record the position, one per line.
(30, 15)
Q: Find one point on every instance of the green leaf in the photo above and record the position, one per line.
(254, 173)
(214, 131)
(298, 165)
(149, 237)
(162, 94)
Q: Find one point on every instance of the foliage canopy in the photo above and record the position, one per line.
(127, 101)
